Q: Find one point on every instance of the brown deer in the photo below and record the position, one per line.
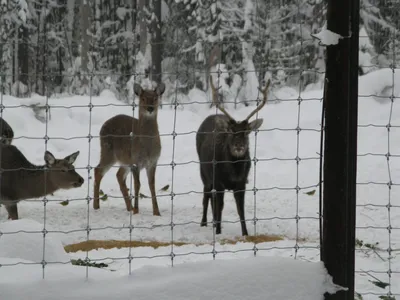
(133, 143)
(21, 180)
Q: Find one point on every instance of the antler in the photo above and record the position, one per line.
(216, 102)
(264, 92)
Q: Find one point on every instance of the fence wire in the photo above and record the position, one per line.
(298, 246)
(383, 250)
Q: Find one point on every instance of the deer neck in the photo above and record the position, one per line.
(148, 124)
(38, 182)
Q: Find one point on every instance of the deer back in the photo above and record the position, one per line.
(6, 132)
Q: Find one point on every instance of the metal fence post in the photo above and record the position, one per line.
(340, 147)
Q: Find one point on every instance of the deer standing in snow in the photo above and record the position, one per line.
(222, 145)
(135, 144)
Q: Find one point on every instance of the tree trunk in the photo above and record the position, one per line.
(133, 15)
(16, 64)
(85, 15)
(156, 43)
(143, 4)
(23, 58)
(70, 19)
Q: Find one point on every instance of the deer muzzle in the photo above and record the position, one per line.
(79, 182)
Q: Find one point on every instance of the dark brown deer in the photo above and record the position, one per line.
(222, 145)
(21, 180)
(6, 132)
(133, 143)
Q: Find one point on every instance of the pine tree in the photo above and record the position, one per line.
(381, 22)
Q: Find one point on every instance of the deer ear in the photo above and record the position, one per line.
(255, 124)
(137, 89)
(71, 158)
(49, 158)
(160, 89)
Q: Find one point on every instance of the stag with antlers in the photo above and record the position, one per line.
(223, 148)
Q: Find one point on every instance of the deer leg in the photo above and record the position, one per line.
(99, 173)
(121, 178)
(219, 206)
(239, 198)
(98, 176)
(206, 198)
(151, 174)
(12, 210)
(136, 178)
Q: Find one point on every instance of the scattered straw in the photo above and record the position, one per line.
(110, 244)
(256, 239)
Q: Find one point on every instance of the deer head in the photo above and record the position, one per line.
(149, 99)
(62, 172)
(238, 131)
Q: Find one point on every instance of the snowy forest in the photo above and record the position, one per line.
(82, 47)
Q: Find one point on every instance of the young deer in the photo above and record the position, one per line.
(222, 139)
(20, 179)
(135, 144)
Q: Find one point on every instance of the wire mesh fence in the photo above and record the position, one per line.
(382, 232)
(283, 193)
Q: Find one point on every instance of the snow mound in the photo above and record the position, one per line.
(380, 84)
(23, 239)
(327, 37)
(252, 278)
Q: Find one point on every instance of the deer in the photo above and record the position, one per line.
(222, 145)
(6, 132)
(134, 144)
(22, 180)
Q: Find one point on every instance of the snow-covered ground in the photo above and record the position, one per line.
(245, 279)
(275, 176)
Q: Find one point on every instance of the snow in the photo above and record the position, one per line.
(380, 83)
(24, 239)
(122, 12)
(21, 257)
(365, 61)
(276, 208)
(285, 279)
(327, 37)
(248, 11)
